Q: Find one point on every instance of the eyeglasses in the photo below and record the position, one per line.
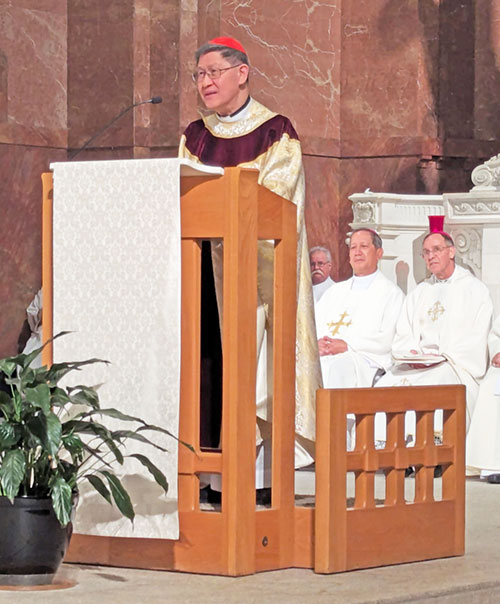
(213, 74)
(437, 249)
(319, 264)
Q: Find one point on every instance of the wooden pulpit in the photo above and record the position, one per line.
(238, 539)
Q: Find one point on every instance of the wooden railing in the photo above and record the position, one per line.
(367, 531)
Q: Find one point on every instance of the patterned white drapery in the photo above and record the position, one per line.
(117, 271)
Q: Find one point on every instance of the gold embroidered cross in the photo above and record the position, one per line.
(336, 325)
(435, 310)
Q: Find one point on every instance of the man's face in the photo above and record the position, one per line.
(439, 256)
(363, 255)
(320, 267)
(226, 93)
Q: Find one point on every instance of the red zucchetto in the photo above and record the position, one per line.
(229, 42)
(436, 224)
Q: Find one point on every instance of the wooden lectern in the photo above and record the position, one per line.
(239, 539)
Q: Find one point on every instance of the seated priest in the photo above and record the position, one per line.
(320, 259)
(239, 131)
(441, 335)
(483, 438)
(356, 320)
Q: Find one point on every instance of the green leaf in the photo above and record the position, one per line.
(99, 486)
(120, 495)
(77, 425)
(157, 474)
(84, 395)
(97, 454)
(8, 366)
(68, 471)
(85, 427)
(28, 376)
(61, 496)
(47, 428)
(116, 414)
(54, 433)
(59, 397)
(24, 360)
(133, 435)
(167, 432)
(39, 396)
(13, 381)
(58, 370)
(6, 405)
(74, 445)
(9, 436)
(100, 431)
(12, 472)
(114, 449)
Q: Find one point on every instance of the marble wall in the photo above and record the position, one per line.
(394, 95)
(33, 116)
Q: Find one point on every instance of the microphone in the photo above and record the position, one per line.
(154, 101)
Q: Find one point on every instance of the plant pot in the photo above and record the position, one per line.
(32, 540)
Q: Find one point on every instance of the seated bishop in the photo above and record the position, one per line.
(442, 333)
(356, 319)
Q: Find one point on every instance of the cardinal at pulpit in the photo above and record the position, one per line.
(242, 132)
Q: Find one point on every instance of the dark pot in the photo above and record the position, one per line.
(32, 542)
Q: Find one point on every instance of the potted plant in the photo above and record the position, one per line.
(52, 438)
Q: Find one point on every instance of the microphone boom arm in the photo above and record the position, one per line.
(155, 100)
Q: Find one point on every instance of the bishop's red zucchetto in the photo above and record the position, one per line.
(229, 42)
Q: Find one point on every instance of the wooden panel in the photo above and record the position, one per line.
(189, 416)
(453, 481)
(47, 279)
(268, 541)
(271, 219)
(408, 533)
(418, 398)
(201, 535)
(283, 428)
(304, 537)
(239, 375)
(330, 518)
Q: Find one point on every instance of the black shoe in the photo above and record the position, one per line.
(263, 496)
(204, 494)
(438, 471)
(493, 478)
(208, 495)
(410, 471)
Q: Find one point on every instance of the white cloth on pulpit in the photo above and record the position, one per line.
(483, 438)
(117, 272)
(451, 318)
